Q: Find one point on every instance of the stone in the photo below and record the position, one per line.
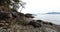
(35, 24)
(5, 15)
(39, 20)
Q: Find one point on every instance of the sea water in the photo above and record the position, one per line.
(54, 18)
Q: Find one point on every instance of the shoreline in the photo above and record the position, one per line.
(24, 22)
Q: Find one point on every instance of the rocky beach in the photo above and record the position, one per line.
(13, 20)
(20, 22)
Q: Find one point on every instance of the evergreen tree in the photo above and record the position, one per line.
(11, 5)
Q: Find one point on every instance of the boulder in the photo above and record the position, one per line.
(20, 14)
(14, 14)
(48, 23)
(5, 15)
(39, 20)
(35, 24)
(29, 15)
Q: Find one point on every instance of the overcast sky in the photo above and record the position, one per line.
(41, 6)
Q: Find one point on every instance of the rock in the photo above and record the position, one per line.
(50, 30)
(50, 23)
(47, 28)
(14, 14)
(45, 22)
(30, 26)
(2, 21)
(1, 24)
(39, 20)
(20, 14)
(5, 15)
(29, 15)
(35, 24)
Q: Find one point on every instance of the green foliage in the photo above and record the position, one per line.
(8, 2)
(5, 2)
(15, 4)
(14, 10)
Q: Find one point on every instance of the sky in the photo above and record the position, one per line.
(41, 6)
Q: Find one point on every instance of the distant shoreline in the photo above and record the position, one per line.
(53, 13)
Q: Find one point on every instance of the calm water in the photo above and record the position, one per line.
(54, 18)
